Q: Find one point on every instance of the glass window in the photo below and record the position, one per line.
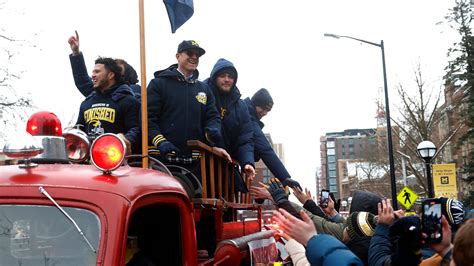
(34, 235)
(332, 166)
(161, 237)
(331, 159)
(332, 181)
(371, 140)
(333, 188)
(330, 144)
(332, 173)
(351, 143)
(331, 151)
(342, 142)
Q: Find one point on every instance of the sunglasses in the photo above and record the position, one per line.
(191, 53)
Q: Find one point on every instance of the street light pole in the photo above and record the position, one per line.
(427, 151)
(387, 114)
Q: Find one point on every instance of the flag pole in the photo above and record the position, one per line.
(144, 111)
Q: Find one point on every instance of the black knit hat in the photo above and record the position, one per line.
(263, 99)
(453, 210)
(229, 70)
(360, 224)
(190, 45)
(405, 236)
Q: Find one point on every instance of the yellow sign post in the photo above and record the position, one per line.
(407, 197)
(444, 180)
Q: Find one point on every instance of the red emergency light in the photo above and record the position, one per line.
(44, 124)
(107, 152)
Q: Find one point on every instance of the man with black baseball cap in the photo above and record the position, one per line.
(181, 108)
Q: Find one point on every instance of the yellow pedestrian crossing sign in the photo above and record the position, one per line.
(407, 197)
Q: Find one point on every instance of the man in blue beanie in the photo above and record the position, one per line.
(258, 106)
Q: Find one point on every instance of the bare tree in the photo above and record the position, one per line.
(419, 116)
(13, 102)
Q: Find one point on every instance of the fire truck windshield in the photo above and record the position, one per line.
(35, 234)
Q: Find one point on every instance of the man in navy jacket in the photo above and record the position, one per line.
(236, 124)
(181, 108)
(259, 105)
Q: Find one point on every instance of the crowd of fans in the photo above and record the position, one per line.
(373, 233)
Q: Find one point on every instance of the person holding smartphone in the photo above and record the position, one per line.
(326, 208)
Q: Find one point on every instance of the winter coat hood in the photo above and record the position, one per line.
(222, 64)
(223, 99)
(365, 201)
(117, 92)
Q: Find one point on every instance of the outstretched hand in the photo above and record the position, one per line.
(260, 192)
(330, 210)
(301, 231)
(277, 191)
(385, 212)
(302, 197)
(249, 172)
(222, 152)
(445, 245)
(291, 183)
(74, 43)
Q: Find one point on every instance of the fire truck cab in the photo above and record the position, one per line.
(62, 213)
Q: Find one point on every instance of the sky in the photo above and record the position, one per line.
(318, 84)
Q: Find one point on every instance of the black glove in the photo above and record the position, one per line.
(405, 237)
(166, 147)
(277, 191)
(291, 183)
(214, 137)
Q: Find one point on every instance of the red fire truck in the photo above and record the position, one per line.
(55, 210)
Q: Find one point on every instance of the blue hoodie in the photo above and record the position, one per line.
(263, 149)
(114, 111)
(236, 124)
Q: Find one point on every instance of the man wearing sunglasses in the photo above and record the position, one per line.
(181, 108)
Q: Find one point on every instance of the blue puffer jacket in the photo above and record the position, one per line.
(180, 110)
(236, 124)
(326, 250)
(263, 149)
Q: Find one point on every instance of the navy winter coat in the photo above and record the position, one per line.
(115, 111)
(380, 246)
(236, 124)
(263, 149)
(180, 110)
(84, 82)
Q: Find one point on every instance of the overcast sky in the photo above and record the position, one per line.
(319, 84)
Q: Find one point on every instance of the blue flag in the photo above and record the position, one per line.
(179, 11)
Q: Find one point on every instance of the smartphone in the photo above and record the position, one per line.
(431, 220)
(324, 198)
